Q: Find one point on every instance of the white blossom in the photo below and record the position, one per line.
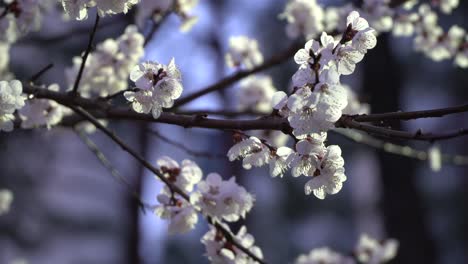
(305, 159)
(222, 199)
(252, 151)
(279, 162)
(304, 18)
(184, 176)
(11, 99)
(255, 93)
(6, 198)
(328, 176)
(180, 213)
(363, 36)
(155, 10)
(42, 112)
(323, 255)
(159, 86)
(78, 9)
(221, 251)
(20, 17)
(243, 52)
(435, 158)
(447, 6)
(371, 251)
(108, 67)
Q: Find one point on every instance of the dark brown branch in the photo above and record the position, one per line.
(102, 109)
(80, 111)
(225, 113)
(113, 171)
(184, 148)
(85, 56)
(173, 188)
(225, 82)
(348, 122)
(400, 150)
(411, 115)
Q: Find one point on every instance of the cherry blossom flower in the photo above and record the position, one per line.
(279, 161)
(157, 9)
(221, 251)
(371, 251)
(159, 86)
(253, 152)
(11, 99)
(255, 93)
(184, 176)
(447, 6)
(328, 176)
(304, 18)
(222, 199)
(243, 52)
(6, 198)
(20, 17)
(181, 215)
(323, 255)
(363, 37)
(108, 67)
(305, 159)
(78, 9)
(42, 112)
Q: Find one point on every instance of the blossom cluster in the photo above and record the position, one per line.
(243, 52)
(317, 102)
(309, 19)
(42, 112)
(107, 68)
(11, 99)
(158, 86)
(215, 198)
(21, 16)
(367, 251)
(220, 250)
(154, 11)
(6, 198)
(78, 9)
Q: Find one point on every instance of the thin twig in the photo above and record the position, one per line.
(227, 81)
(225, 113)
(113, 171)
(184, 148)
(85, 57)
(400, 150)
(411, 114)
(349, 122)
(145, 163)
(155, 26)
(37, 75)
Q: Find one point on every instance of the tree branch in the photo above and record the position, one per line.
(85, 57)
(102, 109)
(108, 165)
(225, 82)
(412, 114)
(400, 150)
(184, 148)
(154, 170)
(349, 122)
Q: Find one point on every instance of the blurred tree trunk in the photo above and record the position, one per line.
(134, 231)
(403, 212)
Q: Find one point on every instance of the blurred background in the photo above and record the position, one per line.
(69, 209)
